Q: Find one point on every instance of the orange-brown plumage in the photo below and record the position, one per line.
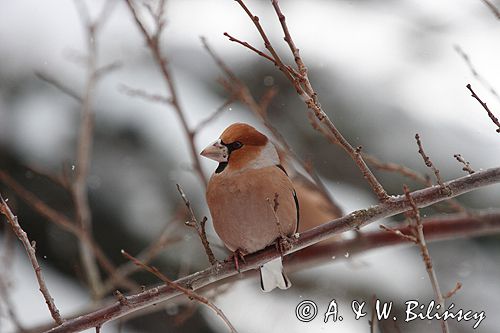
(241, 192)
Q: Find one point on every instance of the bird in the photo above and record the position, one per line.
(251, 198)
(316, 207)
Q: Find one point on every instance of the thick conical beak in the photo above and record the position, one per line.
(216, 151)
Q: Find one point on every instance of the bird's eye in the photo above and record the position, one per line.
(236, 145)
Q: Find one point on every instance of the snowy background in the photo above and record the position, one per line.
(384, 70)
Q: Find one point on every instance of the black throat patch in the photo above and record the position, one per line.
(221, 167)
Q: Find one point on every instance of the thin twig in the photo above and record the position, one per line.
(475, 73)
(372, 322)
(30, 251)
(452, 292)
(304, 89)
(394, 167)
(397, 232)
(164, 239)
(411, 174)
(213, 275)
(152, 41)
(485, 107)
(62, 221)
(198, 226)
(85, 142)
(213, 116)
(428, 161)
(132, 92)
(9, 305)
(492, 8)
(247, 45)
(188, 292)
(239, 89)
(59, 85)
(426, 257)
(277, 60)
(466, 164)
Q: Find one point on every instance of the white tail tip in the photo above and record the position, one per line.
(272, 276)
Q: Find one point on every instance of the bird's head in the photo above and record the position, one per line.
(242, 147)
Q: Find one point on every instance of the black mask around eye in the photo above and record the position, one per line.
(230, 148)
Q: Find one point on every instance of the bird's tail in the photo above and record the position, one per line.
(272, 276)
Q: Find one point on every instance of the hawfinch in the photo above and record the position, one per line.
(251, 199)
(315, 207)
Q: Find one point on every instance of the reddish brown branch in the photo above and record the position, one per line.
(492, 8)
(62, 221)
(240, 90)
(276, 58)
(250, 47)
(186, 291)
(164, 239)
(213, 116)
(132, 92)
(428, 161)
(485, 107)
(306, 92)
(452, 292)
(209, 277)
(398, 233)
(475, 73)
(30, 250)
(152, 41)
(424, 251)
(466, 164)
(411, 174)
(198, 226)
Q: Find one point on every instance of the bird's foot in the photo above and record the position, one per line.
(236, 256)
(284, 244)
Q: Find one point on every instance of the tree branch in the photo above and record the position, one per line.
(354, 220)
(485, 107)
(30, 250)
(189, 293)
(152, 41)
(304, 89)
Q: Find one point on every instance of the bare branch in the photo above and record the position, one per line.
(248, 46)
(424, 251)
(242, 92)
(198, 226)
(305, 91)
(213, 116)
(399, 233)
(59, 85)
(30, 250)
(152, 42)
(62, 221)
(188, 292)
(492, 8)
(394, 167)
(485, 107)
(428, 161)
(466, 164)
(357, 219)
(452, 292)
(132, 92)
(475, 73)
(164, 239)
(411, 174)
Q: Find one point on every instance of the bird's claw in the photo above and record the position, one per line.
(284, 244)
(236, 256)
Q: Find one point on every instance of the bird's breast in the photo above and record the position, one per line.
(241, 205)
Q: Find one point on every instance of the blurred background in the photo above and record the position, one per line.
(384, 70)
